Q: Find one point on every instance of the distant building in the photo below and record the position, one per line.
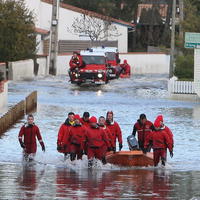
(162, 6)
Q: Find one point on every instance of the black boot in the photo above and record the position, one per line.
(72, 156)
(90, 163)
(104, 161)
(163, 162)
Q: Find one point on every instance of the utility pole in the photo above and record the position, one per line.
(171, 68)
(54, 37)
(181, 18)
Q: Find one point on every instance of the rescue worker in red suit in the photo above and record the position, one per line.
(126, 68)
(27, 138)
(102, 124)
(76, 139)
(62, 145)
(85, 120)
(168, 131)
(96, 138)
(143, 127)
(105, 148)
(161, 142)
(76, 61)
(115, 130)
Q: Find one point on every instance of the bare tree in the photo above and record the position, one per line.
(96, 29)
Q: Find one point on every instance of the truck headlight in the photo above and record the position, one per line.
(76, 75)
(100, 75)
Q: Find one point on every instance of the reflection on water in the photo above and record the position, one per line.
(47, 182)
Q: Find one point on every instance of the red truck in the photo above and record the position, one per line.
(93, 69)
(112, 59)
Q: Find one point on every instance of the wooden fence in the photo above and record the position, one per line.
(31, 102)
(18, 111)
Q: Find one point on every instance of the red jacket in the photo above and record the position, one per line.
(143, 130)
(160, 139)
(85, 123)
(109, 136)
(126, 68)
(28, 135)
(64, 130)
(96, 137)
(75, 62)
(77, 136)
(170, 134)
(115, 132)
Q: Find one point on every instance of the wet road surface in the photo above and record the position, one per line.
(51, 178)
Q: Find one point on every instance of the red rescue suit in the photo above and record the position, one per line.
(170, 134)
(115, 132)
(96, 139)
(76, 139)
(75, 62)
(143, 132)
(63, 135)
(126, 68)
(109, 136)
(27, 135)
(85, 123)
(161, 142)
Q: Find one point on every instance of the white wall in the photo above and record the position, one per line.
(34, 6)
(147, 63)
(20, 70)
(43, 67)
(45, 15)
(122, 39)
(63, 64)
(4, 96)
(140, 63)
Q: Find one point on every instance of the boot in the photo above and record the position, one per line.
(72, 156)
(163, 162)
(104, 161)
(90, 163)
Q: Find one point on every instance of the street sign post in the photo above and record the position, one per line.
(192, 40)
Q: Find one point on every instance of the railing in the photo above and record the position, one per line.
(18, 111)
(181, 87)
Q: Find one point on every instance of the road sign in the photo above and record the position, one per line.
(192, 40)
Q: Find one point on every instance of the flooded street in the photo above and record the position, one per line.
(52, 178)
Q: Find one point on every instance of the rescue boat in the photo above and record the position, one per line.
(130, 158)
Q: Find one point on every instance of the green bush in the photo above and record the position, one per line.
(184, 67)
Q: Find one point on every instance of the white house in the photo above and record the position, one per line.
(42, 10)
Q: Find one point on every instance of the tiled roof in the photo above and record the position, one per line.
(41, 31)
(92, 14)
(153, 2)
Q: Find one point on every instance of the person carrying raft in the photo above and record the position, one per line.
(162, 140)
(143, 127)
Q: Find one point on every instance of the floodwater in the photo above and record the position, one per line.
(53, 178)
